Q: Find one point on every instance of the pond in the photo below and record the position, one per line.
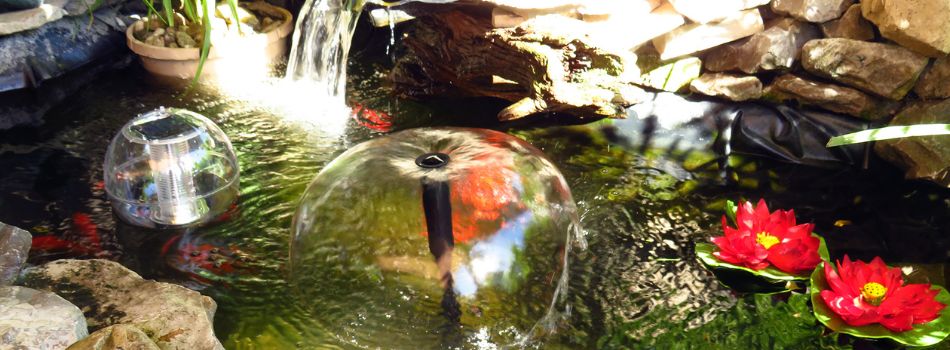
(637, 285)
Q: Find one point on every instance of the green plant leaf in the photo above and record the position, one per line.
(925, 334)
(731, 213)
(205, 43)
(890, 132)
(151, 10)
(190, 11)
(233, 5)
(169, 13)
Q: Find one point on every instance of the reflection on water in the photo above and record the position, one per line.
(637, 285)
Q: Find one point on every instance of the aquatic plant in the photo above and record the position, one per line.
(870, 300)
(762, 239)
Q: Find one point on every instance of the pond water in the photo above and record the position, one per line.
(637, 285)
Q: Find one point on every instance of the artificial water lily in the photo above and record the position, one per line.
(764, 238)
(863, 294)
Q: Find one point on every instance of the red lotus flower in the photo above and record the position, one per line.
(863, 294)
(764, 239)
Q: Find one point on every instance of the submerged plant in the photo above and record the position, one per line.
(762, 239)
(870, 300)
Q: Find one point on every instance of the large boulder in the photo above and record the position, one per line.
(14, 250)
(776, 48)
(815, 11)
(851, 25)
(728, 86)
(881, 69)
(831, 97)
(696, 36)
(922, 157)
(116, 337)
(919, 25)
(173, 316)
(35, 319)
(935, 82)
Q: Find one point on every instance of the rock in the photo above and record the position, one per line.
(881, 69)
(851, 25)
(16, 5)
(243, 15)
(831, 97)
(17, 21)
(696, 37)
(922, 157)
(705, 11)
(728, 86)
(776, 48)
(669, 76)
(606, 9)
(637, 28)
(185, 40)
(34, 319)
(14, 250)
(815, 11)
(116, 337)
(173, 316)
(935, 82)
(922, 26)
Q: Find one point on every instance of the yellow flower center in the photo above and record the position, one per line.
(766, 240)
(873, 293)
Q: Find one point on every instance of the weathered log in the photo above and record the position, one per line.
(546, 64)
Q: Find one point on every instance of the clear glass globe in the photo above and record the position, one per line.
(170, 168)
(436, 237)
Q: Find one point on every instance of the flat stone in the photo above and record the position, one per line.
(173, 316)
(882, 69)
(922, 157)
(920, 25)
(697, 37)
(606, 9)
(851, 25)
(705, 11)
(728, 86)
(18, 21)
(637, 28)
(831, 97)
(672, 76)
(935, 82)
(14, 250)
(776, 48)
(815, 11)
(116, 337)
(34, 319)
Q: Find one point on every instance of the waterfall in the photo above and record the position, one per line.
(321, 43)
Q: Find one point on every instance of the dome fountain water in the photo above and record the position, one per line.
(441, 237)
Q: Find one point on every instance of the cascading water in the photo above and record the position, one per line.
(321, 44)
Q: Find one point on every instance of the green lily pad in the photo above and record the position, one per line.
(925, 334)
(771, 274)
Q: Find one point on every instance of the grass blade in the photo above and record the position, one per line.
(234, 13)
(190, 11)
(205, 43)
(890, 132)
(152, 11)
(170, 12)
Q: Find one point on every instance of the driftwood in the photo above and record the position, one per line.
(544, 65)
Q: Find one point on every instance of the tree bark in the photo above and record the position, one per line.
(546, 65)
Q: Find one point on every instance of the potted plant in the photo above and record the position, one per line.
(202, 37)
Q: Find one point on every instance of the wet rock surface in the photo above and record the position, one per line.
(728, 86)
(922, 26)
(696, 37)
(935, 82)
(881, 69)
(777, 48)
(35, 319)
(816, 11)
(831, 97)
(14, 250)
(851, 25)
(116, 337)
(922, 157)
(174, 317)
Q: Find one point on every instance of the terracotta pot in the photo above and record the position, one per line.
(228, 54)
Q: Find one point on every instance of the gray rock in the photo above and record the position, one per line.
(881, 69)
(116, 337)
(851, 25)
(831, 97)
(18, 21)
(695, 37)
(730, 87)
(922, 157)
(14, 250)
(34, 319)
(922, 26)
(173, 316)
(776, 48)
(935, 82)
(815, 11)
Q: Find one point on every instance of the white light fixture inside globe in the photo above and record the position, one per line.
(169, 168)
